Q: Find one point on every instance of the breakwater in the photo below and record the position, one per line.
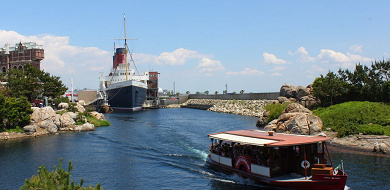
(254, 108)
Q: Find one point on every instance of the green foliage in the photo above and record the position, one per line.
(58, 179)
(97, 122)
(32, 82)
(72, 107)
(275, 110)
(362, 84)
(356, 117)
(14, 112)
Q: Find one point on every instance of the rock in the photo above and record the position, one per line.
(380, 147)
(51, 127)
(41, 114)
(85, 127)
(296, 119)
(98, 115)
(301, 92)
(66, 119)
(308, 101)
(63, 105)
(80, 108)
(4, 135)
(30, 129)
(282, 99)
(295, 107)
(376, 147)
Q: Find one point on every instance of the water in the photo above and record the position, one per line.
(155, 149)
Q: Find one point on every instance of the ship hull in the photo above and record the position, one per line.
(126, 98)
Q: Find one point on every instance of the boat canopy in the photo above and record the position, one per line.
(263, 138)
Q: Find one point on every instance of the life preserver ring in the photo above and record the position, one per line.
(305, 164)
(242, 162)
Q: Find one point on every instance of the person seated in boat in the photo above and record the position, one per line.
(237, 150)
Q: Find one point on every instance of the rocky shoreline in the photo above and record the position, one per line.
(45, 121)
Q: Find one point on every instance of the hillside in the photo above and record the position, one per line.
(370, 118)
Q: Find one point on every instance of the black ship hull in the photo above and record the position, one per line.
(126, 98)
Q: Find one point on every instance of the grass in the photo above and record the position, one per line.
(275, 110)
(371, 118)
(16, 130)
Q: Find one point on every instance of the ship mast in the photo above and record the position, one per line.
(124, 23)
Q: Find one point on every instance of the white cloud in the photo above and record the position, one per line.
(272, 59)
(345, 60)
(356, 48)
(177, 57)
(246, 71)
(207, 65)
(304, 56)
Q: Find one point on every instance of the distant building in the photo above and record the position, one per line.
(20, 55)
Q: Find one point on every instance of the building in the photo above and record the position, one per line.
(20, 55)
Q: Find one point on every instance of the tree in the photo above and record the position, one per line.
(206, 92)
(242, 91)
(177, 93)
(188, 92)
(197, 92)
(216, 92)
(225, 91)
(329, 89)
(14, 112)
(32, 82)
(58, 179)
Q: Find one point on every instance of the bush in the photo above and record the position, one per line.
(275, 110)
(14, 112)
(58, 179)
(373, 129)
(356, 117)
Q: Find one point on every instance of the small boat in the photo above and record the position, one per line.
(284, 160)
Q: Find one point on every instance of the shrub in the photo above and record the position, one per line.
(373, 129)
(58, 179)
(14, 112)
(356, 117)
(275, 110)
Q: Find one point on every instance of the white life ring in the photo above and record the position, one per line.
(305, 162)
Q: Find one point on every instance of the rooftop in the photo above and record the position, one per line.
(262, 138)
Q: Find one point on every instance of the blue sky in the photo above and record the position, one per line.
(201, 45)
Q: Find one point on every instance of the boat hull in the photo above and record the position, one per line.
(126, 98)
(321, 182)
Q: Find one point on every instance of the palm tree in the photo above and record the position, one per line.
(206, 92)
(188, 92)
(242, 91)
(216, 92)
(225, 91)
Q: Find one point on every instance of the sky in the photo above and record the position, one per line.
(203, 45)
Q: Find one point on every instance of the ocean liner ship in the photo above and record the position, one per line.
(124, 90)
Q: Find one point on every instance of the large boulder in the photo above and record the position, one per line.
(98, 115)
(296, 119)
(66, 119)
(304, 95)
(85, 127)
(30, 129)
(80, 108)
(42, 114)
(63, 105)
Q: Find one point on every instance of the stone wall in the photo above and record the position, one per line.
(254, 108)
